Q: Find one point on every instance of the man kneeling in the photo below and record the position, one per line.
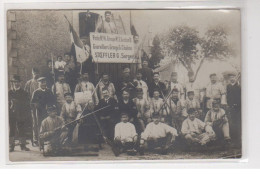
(157, 136)
(125, 135)
(52, 133)
(196, 131)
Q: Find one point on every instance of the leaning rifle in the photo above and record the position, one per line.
(109, 142)
(166, 99)
(84, 116)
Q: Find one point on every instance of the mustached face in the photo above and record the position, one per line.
(124, 118)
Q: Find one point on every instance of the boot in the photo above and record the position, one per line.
(24, 148)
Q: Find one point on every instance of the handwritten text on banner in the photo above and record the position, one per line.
(112, 48)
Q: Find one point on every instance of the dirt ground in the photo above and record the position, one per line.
(106, 154)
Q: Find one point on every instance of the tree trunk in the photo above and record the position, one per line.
(197, 71)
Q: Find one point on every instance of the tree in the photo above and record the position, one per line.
(190, 49)
(156, 51)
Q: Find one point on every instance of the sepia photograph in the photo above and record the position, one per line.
(105, 85)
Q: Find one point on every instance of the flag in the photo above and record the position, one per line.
(132, 27)
(81, 51)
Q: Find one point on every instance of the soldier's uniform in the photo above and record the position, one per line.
(40, 99)
(234, 107)
(143, 111)
(88, 88)
(218, 121)
(52, 134)
(157, 135)
(59, 89)
(196, 131)
(19, 115)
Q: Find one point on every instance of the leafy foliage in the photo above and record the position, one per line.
(185, 44)
(156, 51)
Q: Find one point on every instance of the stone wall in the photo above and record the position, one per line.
(33, 36)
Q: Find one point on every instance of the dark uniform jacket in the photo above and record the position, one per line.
(41, 99)
(160, 86)
(19, 107)
(147, 75)
(111, 111)
(128, 108)
(234, 95)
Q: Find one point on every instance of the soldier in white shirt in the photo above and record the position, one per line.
(156, 104)
(174, 84)
(59, 89)
(196, 131)
(88, 88)
(139, 83)
(191, 102)
(125, 135)
(215, 90)
(143, 109)
(216, 117)
(157, 136)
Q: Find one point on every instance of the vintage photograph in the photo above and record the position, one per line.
(87, 85)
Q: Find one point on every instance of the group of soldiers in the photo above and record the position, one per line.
(135, 114)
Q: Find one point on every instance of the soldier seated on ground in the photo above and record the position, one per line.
(157, 136)
(216, 117)
(125, 135)
(196, 131)
(53, 133)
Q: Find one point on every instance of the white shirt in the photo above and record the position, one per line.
(141, 84)
(158, 131)
(179, 87)
(61, 89)
(125, 130)
(60, 64)
(189, 126)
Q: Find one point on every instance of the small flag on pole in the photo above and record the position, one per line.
(81, 50)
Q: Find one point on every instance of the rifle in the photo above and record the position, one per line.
(166, 100)
(53, 73)
(84, 116)
(107, 141)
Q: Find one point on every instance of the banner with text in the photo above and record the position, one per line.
(112, 48)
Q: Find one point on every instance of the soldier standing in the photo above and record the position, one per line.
(19, 112)
(32, 84)
(40, 99)
(234, 106)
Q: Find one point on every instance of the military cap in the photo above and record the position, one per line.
(190, 92)
(139, 71)
(15, 78)
(212, 74)
(139, 90)
(123, 113)
(51, 108)
(156, 89)
(156, 73)
(232, 74)
(175, 90)
(156, 115)
(41, 79)
(191, 110)
(68, 94)
(216, 101)
(108, 12)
